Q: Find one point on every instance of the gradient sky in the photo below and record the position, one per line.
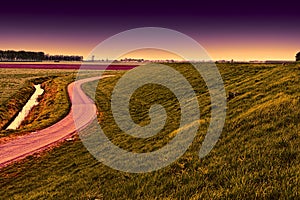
(243, 30)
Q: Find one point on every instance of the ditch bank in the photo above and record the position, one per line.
(33, 101)
(53, 105)
(10, 109)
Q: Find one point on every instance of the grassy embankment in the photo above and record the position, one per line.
(257, 155)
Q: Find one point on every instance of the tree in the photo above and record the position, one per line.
(11, 55)
(298, 56)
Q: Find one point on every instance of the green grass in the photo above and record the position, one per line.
(256, 157)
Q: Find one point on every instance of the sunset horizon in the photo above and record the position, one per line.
(242, 31)
(162, 55)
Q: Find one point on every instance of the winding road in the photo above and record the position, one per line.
(23, 146)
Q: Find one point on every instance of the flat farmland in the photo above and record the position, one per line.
(12, 79)
(86, 66)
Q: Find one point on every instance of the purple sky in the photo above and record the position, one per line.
(243, 30)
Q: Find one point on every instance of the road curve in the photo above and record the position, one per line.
(23, 146)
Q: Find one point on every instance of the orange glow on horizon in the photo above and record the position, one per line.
(247, 51)
(152, 54)
(242, 50)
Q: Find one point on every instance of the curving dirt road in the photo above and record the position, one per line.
(25, 145)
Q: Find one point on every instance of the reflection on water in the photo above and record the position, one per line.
(33, 101)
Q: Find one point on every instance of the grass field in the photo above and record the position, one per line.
(256, 157)
(17, 87)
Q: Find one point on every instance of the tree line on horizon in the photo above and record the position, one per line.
(11, 55)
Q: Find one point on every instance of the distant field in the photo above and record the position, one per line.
(256, 157)
(70, 66)
(12, 79)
